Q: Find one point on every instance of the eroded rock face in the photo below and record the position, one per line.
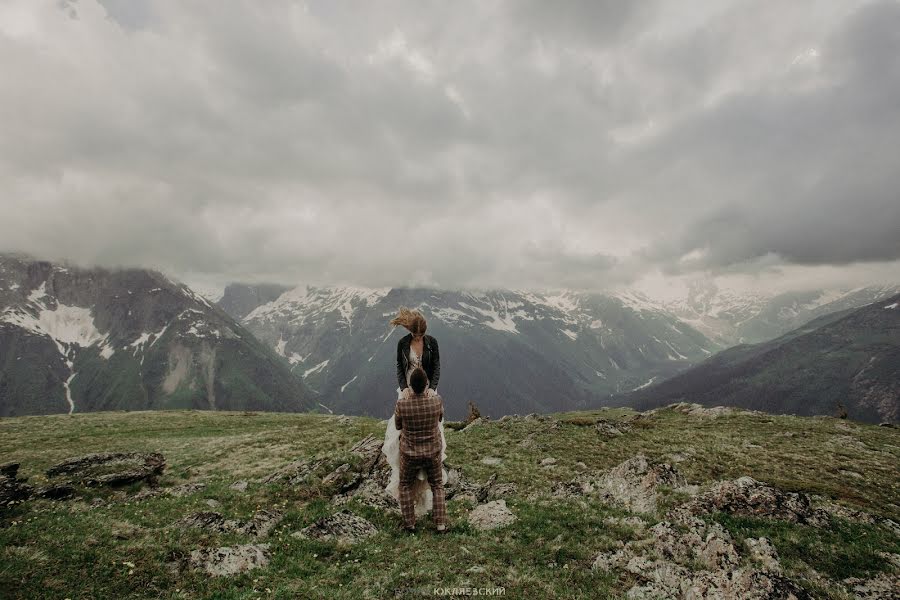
(342, 527)
(230, 560)
(751, 498)
(492, 515)
(112, 468)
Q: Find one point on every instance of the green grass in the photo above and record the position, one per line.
(842, 549)
(65, 549)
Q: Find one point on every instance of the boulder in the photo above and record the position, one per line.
(492, 515)
(230, 560)
(343, 527)
(111, 468)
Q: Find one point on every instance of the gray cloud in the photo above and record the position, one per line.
(582, 144)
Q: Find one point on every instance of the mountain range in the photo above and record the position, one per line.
(558, 350)
(75, 339)
(506, 351)
(844, 362)
(82, 340)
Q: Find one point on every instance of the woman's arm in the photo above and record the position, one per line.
(436, 358)
(401, 376)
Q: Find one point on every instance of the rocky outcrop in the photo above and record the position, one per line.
(111, 468)
(343, 527)
(608, 428)
(698, 561)
(748, 497)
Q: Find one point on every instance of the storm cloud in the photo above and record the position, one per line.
(467, 144)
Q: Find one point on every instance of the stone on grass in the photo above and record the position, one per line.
(492, 515)
(230, 560)
(633, 483)
(240, 486)
(747, 497)
(342, 527)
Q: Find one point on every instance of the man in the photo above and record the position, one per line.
(418, 419)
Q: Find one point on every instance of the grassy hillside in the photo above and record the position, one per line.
(109, 545)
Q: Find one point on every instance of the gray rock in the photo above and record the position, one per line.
(549, 461)
(633, 483)
(751, 498)
(343, 527)
(258, 526)
(492, 515)
(112, 468)
(491, 460)
(612, 428)
(763, 552)
(230, 560)
(240, 486)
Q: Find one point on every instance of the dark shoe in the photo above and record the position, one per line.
(406, 529)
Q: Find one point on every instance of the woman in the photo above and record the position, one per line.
(413, 350)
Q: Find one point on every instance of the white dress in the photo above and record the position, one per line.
(391, 448)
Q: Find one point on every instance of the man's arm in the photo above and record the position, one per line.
(401, 376)
(398, 422)
(436, 357)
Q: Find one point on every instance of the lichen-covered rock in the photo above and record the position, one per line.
(612, 428)
(342, 527)
(257, 526)
(230, 560)
(751, 498)
(883, 586)
(763, 552)
(112, 468)
(492, 515)
(633, 483)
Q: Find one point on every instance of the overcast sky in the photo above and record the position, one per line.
(581, 144)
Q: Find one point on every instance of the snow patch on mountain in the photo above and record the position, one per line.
(649, 383)
(573, 335)
(497, 321)
(304, 303)
(64, 325)
(343, 387)
(894, 305)
(316, 368)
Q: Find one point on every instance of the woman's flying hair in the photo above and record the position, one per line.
(411, 319)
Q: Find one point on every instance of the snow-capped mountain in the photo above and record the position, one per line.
(508, 351)
(78, 340)
(731, 318)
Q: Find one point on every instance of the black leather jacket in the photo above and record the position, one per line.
(431, 360)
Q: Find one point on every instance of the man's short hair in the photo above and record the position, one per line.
(418, 380)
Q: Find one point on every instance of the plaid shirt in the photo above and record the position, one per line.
(418, 418)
